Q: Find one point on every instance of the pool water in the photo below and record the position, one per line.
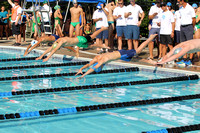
(129, 119)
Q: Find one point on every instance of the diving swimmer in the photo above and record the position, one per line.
(100, 60)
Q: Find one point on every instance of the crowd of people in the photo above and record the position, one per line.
(112, 20)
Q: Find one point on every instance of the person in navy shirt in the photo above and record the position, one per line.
(4, 22)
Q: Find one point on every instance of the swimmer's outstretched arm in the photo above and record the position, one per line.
(92, 70)
(47, 51)
(54, 50)
(86, 66)
(145, 43)
(171, 57)
(26, 52)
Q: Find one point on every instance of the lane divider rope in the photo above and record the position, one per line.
(49, 90)
(131, 69)
(101, 107)
(181, 129)
(45, 65)
(20, 59)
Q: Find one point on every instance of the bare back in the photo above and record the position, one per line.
(107, 57)
(68, 41)
(75, 14)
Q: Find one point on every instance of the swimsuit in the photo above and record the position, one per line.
(83, 41)
(99, 69)
(56, 37)
(33, 26)
(126, 55)
(197, 25)
(74, 24)
(110, 22)
(57, 18)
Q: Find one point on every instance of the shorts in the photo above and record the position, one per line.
(127, 55)
(15, 29)
(186, 33)
(103, 34)
(165, 39)
(56, 37)
(177, 36)
(22, 27)
(121, 30)
(47, 29)
(132, 32)
(155, 31)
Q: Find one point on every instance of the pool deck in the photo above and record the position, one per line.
(91, 53)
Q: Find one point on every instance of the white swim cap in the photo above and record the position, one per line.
(34, 42)
(176, 51)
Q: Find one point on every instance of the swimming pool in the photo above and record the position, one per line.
(126, 119)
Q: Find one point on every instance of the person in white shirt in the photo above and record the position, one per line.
(188, 22)
(155, 28)
(45, 16)
(118, 15)
(167, 26)
(133, 23)
(100, 18)
(16, 21)
(177, 18)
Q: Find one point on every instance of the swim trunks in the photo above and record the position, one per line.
(97, 69)
(56, 37)
(110, 22)
(74, 24)
(127, 55)
(83, 42)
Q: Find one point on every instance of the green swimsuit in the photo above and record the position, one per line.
(57, 18)
(33, 26)
(74, 24)
(198, 23)
(83, 43)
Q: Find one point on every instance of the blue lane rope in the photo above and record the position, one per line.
(132, 69)
(45, 65)
(181, 129)
(49, 90)
(104, 106)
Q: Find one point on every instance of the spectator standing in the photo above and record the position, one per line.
(166, 29)
(80, 20)
(155, 28)
(188, 22)
(4, 22)
(118, 15)
(100, 18)
(45, 16)
(110, 6)
(169, 6)
(24, 20)
(76, 12)
(177, 18)
(57, 17)
(16, 21)
(197, 25)
(133, 23)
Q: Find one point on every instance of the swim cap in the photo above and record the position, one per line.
(57, 7)
(97, 69)
(34, 42)
(75, 1)
(45, 1)
(176, 51)
(169, 4)
(153, 4)
(194, 5)
(99, 5)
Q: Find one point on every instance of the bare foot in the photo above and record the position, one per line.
(38, 58)
(149, 61)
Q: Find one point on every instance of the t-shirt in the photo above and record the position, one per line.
(4, 15)
(45, 14)
(187, 14)
(155, 9)
(120, 11)
(19, 11)
(166, 20)
(177, 16)
(100, 14)
(134, 17)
